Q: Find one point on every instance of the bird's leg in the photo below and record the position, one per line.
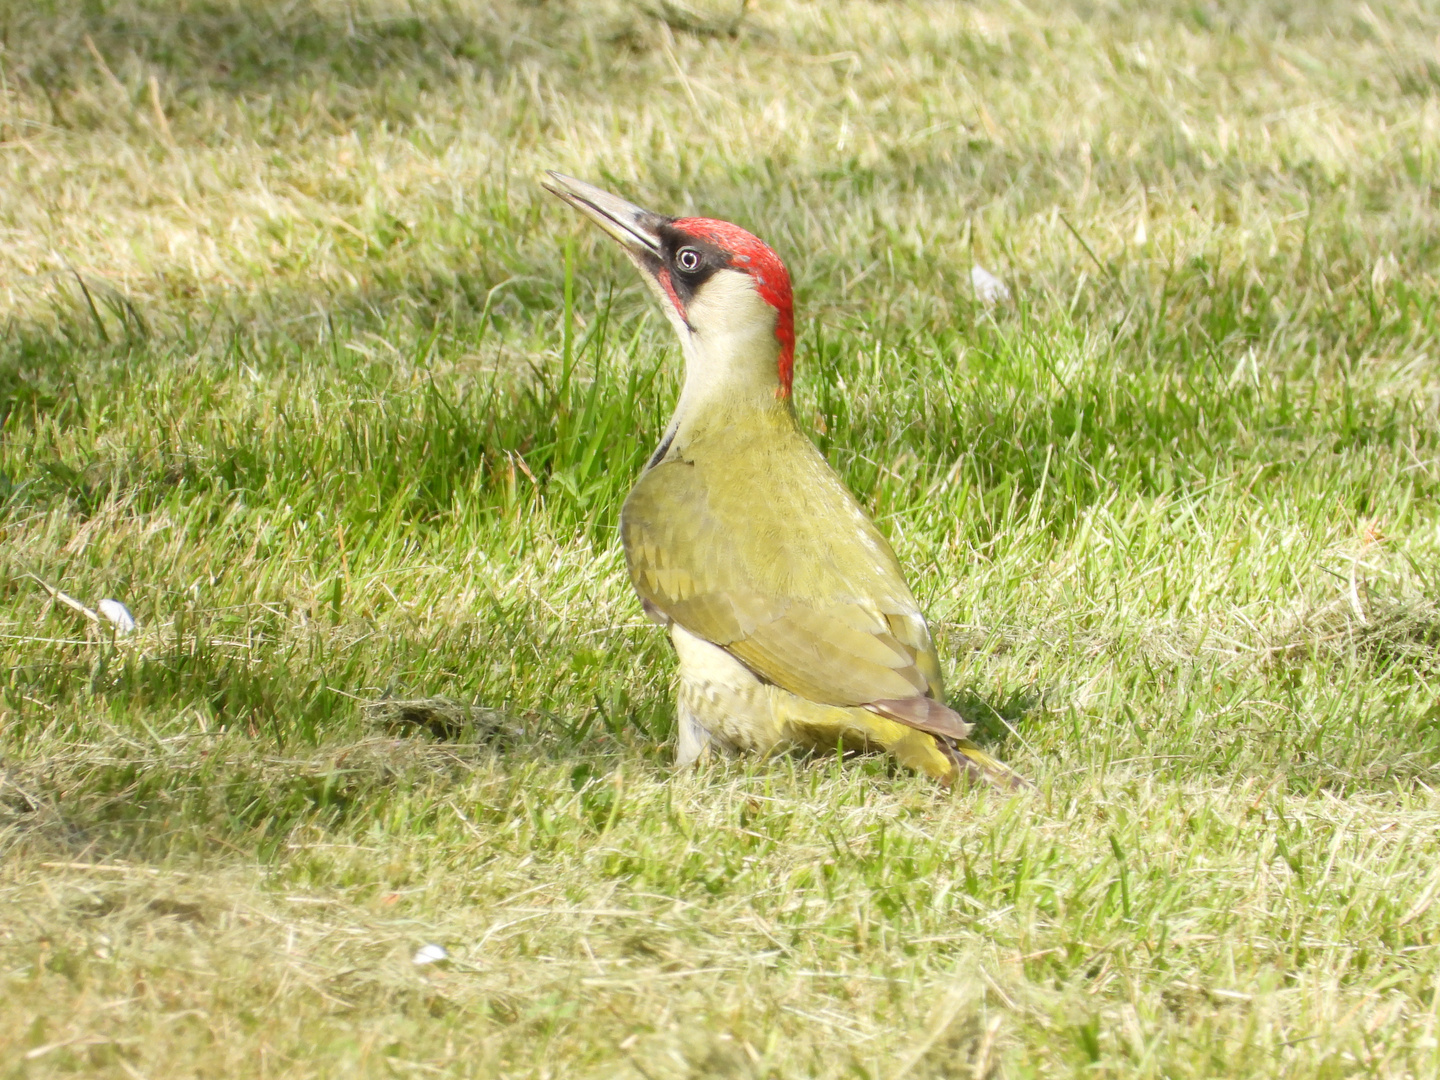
(694, 742)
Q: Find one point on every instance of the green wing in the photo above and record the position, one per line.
(762, 551)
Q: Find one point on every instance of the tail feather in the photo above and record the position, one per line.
(950, 730)
(977, 765)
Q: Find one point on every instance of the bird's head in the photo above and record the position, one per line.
(724, 290)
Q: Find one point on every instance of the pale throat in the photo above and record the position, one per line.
(731, 355)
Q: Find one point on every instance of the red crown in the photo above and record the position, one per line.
(772, 281)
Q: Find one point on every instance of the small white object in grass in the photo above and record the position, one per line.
(430, 954)
(118, 614)
(988, 288)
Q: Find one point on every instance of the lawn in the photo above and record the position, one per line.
(299, 362)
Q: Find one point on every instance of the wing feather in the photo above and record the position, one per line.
(801, 587)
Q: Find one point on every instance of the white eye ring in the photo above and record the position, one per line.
(687, 258)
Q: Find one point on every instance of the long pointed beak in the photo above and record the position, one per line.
(636, 229)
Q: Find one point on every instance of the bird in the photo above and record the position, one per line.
(790, 615)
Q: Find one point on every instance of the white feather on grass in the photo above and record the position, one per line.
(119, 615)
(989, 289)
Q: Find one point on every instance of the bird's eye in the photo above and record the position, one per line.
(688, 259)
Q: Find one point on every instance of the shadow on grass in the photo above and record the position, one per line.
(267, 48)
(1001, 718)
(113, 797)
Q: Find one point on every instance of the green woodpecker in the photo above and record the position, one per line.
(789, 613)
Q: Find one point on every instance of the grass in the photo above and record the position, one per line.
(298, 361)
